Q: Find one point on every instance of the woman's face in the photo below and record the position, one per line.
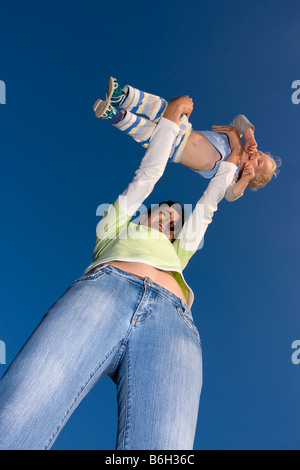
(166, 220)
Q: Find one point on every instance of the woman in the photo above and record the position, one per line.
(128, 317)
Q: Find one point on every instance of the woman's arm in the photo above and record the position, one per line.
(151, 168)
(193, 231)
(149, 172)
(156, 157)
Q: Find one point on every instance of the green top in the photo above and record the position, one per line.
(120, 239)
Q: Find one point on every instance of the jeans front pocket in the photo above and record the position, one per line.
(186, 317)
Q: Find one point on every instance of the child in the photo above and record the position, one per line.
(137, 113)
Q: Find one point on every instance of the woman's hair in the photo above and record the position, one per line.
(260, 181)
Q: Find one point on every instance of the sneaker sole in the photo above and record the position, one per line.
(110, 88)
(100, 107)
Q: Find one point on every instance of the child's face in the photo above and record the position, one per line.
(262, 162)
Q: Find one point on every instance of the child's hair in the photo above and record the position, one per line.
(262, 180)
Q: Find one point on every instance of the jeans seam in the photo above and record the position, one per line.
(165, 296)
(127, 420)
(123, 276)
(91, 277)
(124, 343)
(129, 331)
(92, 375)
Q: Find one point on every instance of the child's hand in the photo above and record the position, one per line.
(248, 173)
(250, 142)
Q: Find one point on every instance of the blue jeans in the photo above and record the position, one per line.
(114, 323)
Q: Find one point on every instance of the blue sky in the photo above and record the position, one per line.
(59, 163)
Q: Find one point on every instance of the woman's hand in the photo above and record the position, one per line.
(234, 141)
(177, 107)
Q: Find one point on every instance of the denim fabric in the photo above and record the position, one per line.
(109, 322)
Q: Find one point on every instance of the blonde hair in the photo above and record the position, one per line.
(262, 180)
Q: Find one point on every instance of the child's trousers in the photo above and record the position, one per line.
(143, 112)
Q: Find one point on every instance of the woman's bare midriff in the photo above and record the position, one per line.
(163, 278)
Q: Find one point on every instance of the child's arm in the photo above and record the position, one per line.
(245, 129)
(236, 189)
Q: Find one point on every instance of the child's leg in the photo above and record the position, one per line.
(142, 103)
(142, 113)
(138, 103)
(132, 111)
(137, 113)
(138, 127)
(141, 130)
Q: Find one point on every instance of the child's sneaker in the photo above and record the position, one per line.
(104, 110)
(118, 95)
(114, 94)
